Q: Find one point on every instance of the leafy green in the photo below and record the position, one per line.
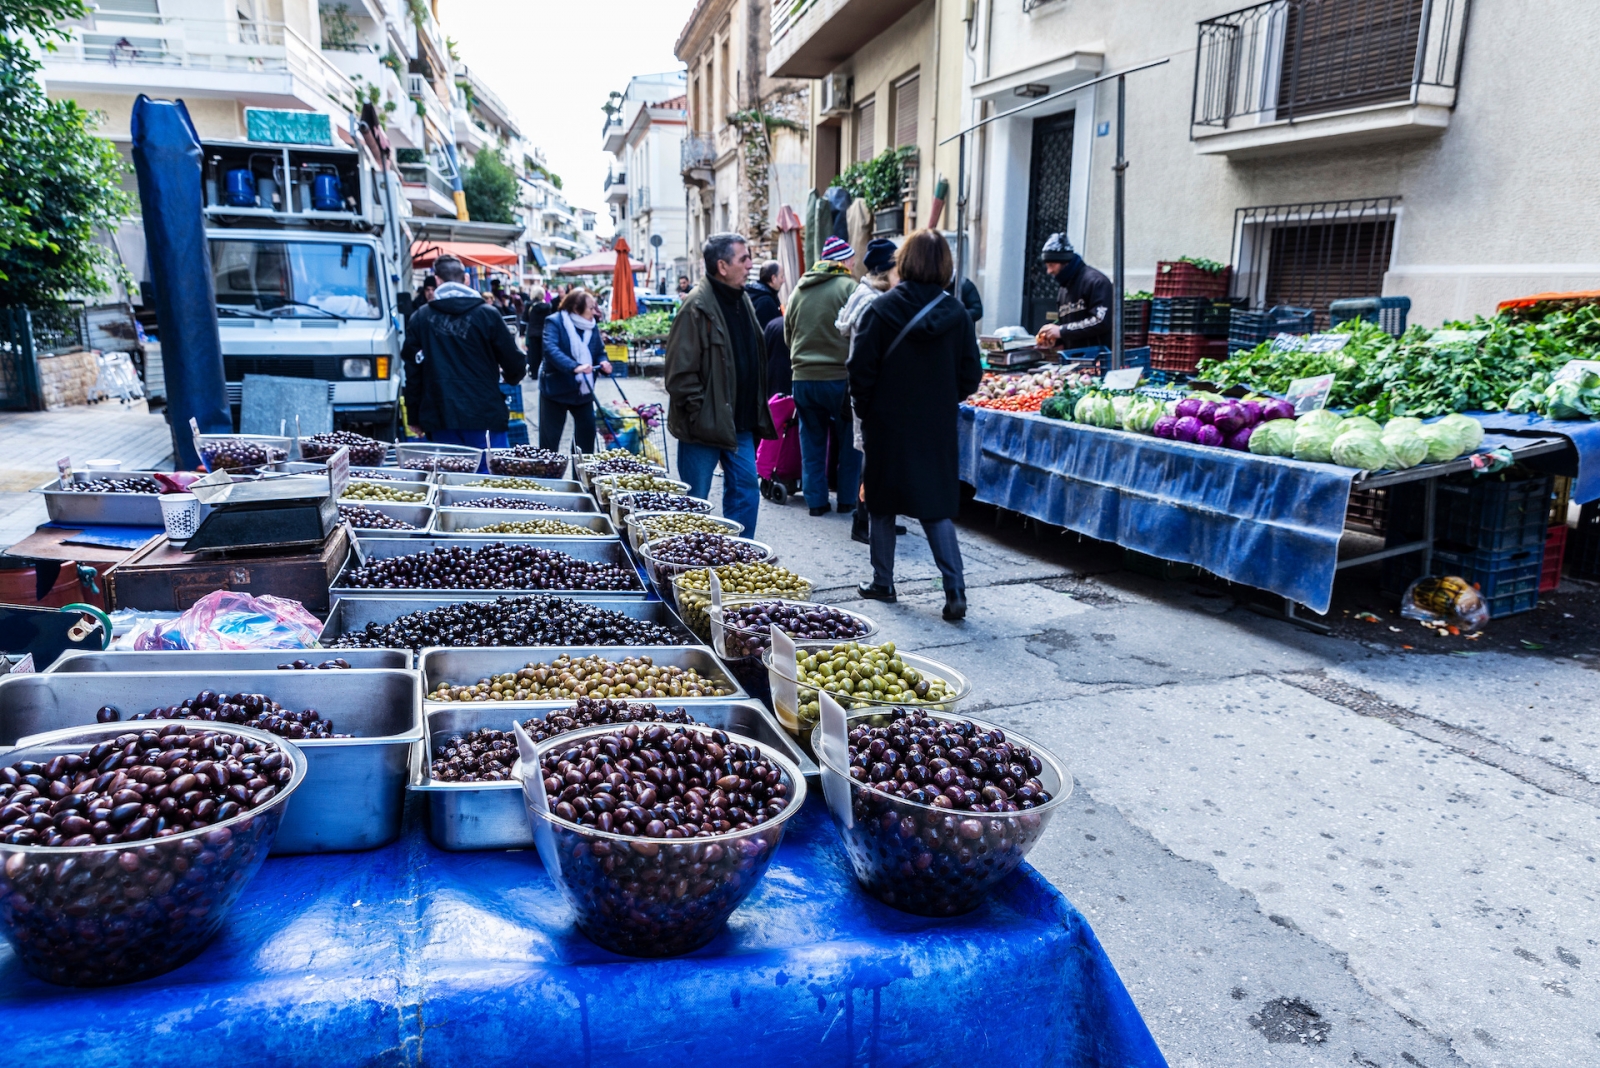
(651, 326)
(1208, 266)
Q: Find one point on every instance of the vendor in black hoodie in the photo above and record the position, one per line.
(461, 349)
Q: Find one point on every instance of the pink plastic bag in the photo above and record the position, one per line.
(224, 620)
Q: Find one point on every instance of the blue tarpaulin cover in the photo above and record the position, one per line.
(412, 956)
(1581, 463)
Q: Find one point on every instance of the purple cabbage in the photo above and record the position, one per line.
(1208, 412)
(1241, 439)
(1188, 407)
(1164, 427)
(1208, 435)
(1277, 409)
(1228, 418)
(1187, 428)
(1252, 412)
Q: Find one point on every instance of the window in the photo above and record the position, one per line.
(866, 113)
(1347, 53)
(1309, 255)
(905, 110)
(295, 279)
(723, 104)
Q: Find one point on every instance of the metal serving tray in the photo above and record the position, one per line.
(102, 509)
(385, 474)
(354, 793)
(430, 491)
(181, 660)
(461, 666)
(455, 523)
(453, 496)
(352, 613)
(594, 550)
(418, 515)
(456, 480)
(492, 815)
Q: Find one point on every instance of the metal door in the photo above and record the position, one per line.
(1049, 183)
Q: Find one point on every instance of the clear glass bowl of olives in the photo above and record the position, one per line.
(676, 553)
(691, 590)
(429, 456)
(641, 871)
(243, 454)
(605, 486)
(894, 800)
(527, 461)
(137, 894)
(741, 633)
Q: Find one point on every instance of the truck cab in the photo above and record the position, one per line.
(307, 259)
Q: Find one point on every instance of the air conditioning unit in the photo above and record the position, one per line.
(835, 94)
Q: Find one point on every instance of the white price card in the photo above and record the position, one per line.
(1124, 378)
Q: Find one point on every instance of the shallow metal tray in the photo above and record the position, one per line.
(453, 496)
(594, 550)
(454, 523)
(461, 666)
(169, 660)
(400, 474)
(409, 486)
(456, 480)
(418, 515)
(352, 613)
(492, 815)
(102, 509)
(354, 793)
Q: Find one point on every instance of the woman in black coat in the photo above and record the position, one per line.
(913, 360)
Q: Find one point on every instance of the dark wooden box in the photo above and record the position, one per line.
(161, 578)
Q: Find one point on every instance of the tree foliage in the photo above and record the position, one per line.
(491, 188)
(60, 183)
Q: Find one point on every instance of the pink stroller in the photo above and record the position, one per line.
(778, 461)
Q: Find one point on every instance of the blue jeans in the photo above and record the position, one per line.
(822, 410)
(741, 490)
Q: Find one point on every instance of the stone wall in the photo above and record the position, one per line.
(66, 380)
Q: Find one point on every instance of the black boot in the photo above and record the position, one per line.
(955, 605)
(858, 527)
(873, 592)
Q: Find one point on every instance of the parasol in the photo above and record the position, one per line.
(623, 306)
(788, 250)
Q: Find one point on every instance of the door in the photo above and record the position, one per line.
(1049, 183)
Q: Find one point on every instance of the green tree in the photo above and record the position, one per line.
(491, 188)
(60, 183)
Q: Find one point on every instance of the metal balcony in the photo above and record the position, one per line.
(810, 38)
(698, 153)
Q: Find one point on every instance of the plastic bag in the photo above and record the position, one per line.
(1446, 600)
(224, 620)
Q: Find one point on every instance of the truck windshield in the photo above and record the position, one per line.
(296, 278)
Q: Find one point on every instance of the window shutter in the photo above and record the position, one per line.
(865, 115)
(905, 111)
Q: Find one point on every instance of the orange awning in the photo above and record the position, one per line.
(471, 253)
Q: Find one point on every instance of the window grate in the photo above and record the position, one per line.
(1309, 255)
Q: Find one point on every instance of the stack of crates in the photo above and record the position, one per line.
(1189, 317)
(1247, 329)
(1135, 324)
(1555, 543)
(1388, 312)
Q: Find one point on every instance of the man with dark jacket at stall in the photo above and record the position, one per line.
(764, 293)
(716, 382)
(461, 349)
(1085, 296)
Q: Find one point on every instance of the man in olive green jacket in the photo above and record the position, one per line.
(817, 353)
(716, 370)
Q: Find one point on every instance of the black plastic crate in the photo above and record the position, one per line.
(1368, 509)
(1247, 329)
(1583, 545)
(1190, 315)
(1497, 512)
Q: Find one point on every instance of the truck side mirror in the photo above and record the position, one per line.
(404, 303)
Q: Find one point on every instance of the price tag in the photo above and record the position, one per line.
(339, 471)
(294, 447)
(64, 469)
(835, 754)
(785, 692)
(715, 613)
(536, 800)
(24, 666)
(1309, 394)
(194, 434)
(1124, 378)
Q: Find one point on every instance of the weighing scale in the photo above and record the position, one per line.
(268, 512)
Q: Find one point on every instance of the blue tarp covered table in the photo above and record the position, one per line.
(412, 956)
(1581, 463)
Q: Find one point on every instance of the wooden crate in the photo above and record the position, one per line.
(161, 578)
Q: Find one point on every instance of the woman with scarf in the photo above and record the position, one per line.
(573, 352)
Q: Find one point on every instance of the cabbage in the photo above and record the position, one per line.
(1404, 422)
(1320, 417)
(1207, 412)
(1119, 404)
(1274, 439)
(1208, 435)
(1470, 431)
(1095, 410)
(1164, 426)
(1359, 423)
(1141, 415)
(1406, 448)
(1313, 442)
(1252, 412)
(1188, 406)
(1186, 428)
(1443, 445)
(1229, 419)
(1240, 439)
(1366, 451)
(1276, 409)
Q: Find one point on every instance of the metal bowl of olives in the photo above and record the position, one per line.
(648, 526)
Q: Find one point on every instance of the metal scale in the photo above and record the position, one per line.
(270, 512)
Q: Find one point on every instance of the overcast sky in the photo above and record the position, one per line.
(553, 64)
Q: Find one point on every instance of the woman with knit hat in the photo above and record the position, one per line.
(821, 389)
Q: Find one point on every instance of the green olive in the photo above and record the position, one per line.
(371, 491)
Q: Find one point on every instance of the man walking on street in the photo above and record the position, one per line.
(716, 382)
(461, 348)
(817, 354)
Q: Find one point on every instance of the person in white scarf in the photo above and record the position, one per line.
(573, 352)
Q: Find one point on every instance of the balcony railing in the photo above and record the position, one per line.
(1293, 59)
(421, 89)
(786, 13)
(619, 178)
(423, 174)
(699, 152)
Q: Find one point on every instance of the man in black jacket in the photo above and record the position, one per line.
(1085, 296)
(764, 293)
(461, 348)
(538, 309)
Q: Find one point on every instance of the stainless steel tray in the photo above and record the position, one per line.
(453, 496)
(492, 815)
(352, 613)
(399, 474)
(418, 515)
(408, 486)
(249, 660)
(454, 523)
(102, 509)
(594, 550)
(455, 480)
(461, 666)
(354, 793)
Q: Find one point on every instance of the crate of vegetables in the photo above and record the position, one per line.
(1018, 393)
(1192, 277)
(1182, 353)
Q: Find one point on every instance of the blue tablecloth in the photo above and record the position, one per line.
(412, 956)
(1581, 462)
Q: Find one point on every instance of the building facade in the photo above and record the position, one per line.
(644, 132)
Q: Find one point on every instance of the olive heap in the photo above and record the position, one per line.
(389, 475)
(967, 823)
(636, 483)
(553, 528)
(139, 785)
(113, 485)
(692, 589)
(705, 550)
(461, 465)
(246, 709)
(528, 460)
(591, 458)
(567, 677)
(363, 450)
(363, 518)
(487, 755)
(236, 454)
(143, 905)
(663, 889)
(627, 464)
(519, 504)
(510, 621)
(338, 663)
(660, 501)
(747, 628)
(664, 525)
(496, 566)
(368, 491)
(509, 483)
(858, 675)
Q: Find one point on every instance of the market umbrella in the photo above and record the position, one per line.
(602, 262)
(623, 306)
(788, 250)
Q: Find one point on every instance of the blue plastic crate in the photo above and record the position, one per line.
(1491, 515)
(1247, 329)
(1206, 316)
(1388, 312)
(1508, 580)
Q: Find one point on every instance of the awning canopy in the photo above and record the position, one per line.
(602, 262)
(539, 257)
(471, 253)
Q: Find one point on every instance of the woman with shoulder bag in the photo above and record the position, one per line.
(572, 352)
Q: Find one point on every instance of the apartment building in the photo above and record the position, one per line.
(644, 132)
(744, 155)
